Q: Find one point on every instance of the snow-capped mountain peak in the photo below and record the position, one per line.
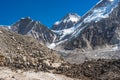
(71, 17)
(65, 27)
(57, 23)
(102, 10)
(67, 22)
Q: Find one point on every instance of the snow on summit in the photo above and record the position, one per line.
(102, 11)
(72, 17)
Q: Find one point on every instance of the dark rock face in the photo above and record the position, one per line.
(67, 22)
(35, 29)
(23, 26)
(103, 32)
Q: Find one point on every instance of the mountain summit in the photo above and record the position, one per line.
(67, 22)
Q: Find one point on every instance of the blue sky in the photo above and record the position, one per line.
(45, 11)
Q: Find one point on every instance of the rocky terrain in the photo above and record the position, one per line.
(106, 69)
(22, 56)
(23, 52)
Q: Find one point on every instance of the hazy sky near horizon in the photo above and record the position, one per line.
(45, 11)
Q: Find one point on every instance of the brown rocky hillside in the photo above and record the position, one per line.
(23, 52)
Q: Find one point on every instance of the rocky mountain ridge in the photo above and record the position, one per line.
(35, 29)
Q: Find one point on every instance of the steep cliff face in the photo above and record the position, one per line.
(27, 26)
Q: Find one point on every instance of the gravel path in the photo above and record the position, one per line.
(8, 74)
